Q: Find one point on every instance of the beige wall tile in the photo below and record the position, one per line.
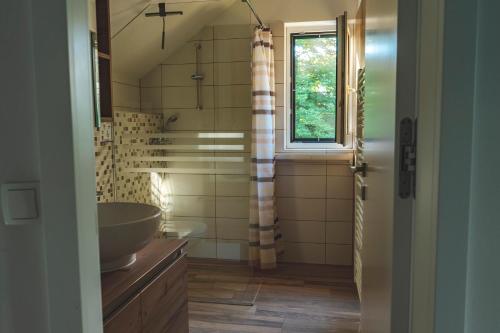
(280, 141)
(339, 255)
(191, 164)
(232, 207)
(209, 231)
(125, 95)
(279, 70)
(227, 73)
(202, 248)
(187, 54)
(233, 96)
(301, 186)
(284, 168)
(207, 223)
(280, 118)
(232, 250)
(278, 29)
(151, 98)
(280, 95)
(339, 232)
(152, 79)
(125, 79)
(233, 119)
(301, 209)
(233, 185)
(279, 48)
(196, 206)
(180, 75)
(339, 170)
(307, 253)
(340, 187)
(191, 119)
(246, 142)
(340, 158)
(339, 210)
(206, 34)
(232, 229)
(185, 97)
(244, 165)
(303, 231)
(182, 184)
(233, 31)
(180, 140)
(151, 111)
(229, 50)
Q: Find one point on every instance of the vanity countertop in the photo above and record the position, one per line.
(117, 287)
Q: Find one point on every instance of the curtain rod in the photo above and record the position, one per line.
(252, 8)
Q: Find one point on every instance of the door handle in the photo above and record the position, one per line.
(363, 168)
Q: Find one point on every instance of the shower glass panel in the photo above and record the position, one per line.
(199, 163)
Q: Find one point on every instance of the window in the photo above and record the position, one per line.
(316, 86)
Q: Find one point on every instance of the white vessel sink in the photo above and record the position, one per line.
(124, 229)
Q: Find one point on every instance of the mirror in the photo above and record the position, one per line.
(95, 79)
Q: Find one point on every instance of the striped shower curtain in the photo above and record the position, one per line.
(265, 236)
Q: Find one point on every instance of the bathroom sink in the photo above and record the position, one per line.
(124, 229)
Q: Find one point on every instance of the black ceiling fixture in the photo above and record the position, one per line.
(162, 12)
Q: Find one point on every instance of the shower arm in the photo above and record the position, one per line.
(252, 8)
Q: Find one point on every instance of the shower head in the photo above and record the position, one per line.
(172, 119)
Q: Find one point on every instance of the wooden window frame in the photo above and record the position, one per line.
(344, 113)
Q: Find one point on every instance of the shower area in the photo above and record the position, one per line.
(198, 163)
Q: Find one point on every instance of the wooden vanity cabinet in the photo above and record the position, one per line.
(158, 306)
(127, 319)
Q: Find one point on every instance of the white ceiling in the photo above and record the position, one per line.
(137, 48)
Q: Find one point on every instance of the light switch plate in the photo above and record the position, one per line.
(20, 203)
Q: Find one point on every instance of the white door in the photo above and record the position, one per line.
(49, 258)
(390, 93)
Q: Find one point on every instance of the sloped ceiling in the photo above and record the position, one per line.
(137, 48)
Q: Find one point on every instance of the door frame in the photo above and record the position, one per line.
(430, 70)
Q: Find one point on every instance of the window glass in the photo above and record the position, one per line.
(314, 66)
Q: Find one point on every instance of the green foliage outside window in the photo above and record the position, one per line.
(315, 87)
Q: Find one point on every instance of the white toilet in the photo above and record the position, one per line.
(183, 229)
(193, 231)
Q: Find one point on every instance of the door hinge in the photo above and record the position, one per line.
(408, 158)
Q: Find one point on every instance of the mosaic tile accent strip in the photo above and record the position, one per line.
(104, 163)
(134, 187)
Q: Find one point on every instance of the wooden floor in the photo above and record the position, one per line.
(293, 299)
